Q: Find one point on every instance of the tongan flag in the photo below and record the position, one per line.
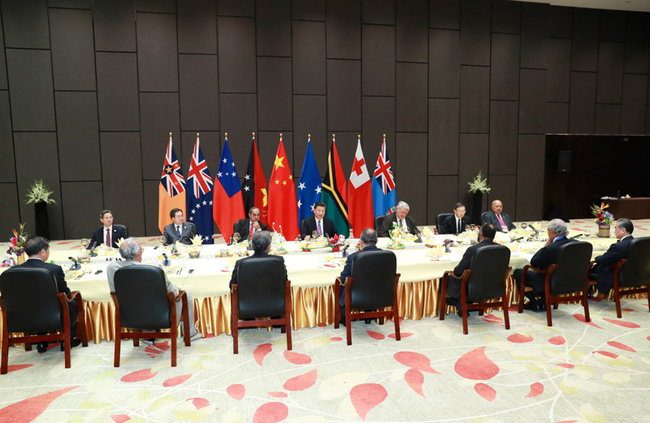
(171, 191)
(228, 204)
(283, 213)
(383, 185)
(199, 195)
(254, 188)
(360, 194)
(309, 185)
(333, 193)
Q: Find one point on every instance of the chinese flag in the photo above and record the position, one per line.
(360, 212)
(283, 209)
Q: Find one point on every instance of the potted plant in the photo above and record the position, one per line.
(39, 195)
(604, 219)
(17, 244)
(477, 187)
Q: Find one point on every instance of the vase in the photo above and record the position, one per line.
(42, 220)
(603, 231)
(477, 207)
(21, 258)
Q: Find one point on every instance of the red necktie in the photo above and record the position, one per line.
(501, 220)
(108, 238)
(250, 231)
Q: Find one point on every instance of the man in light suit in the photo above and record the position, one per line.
(456, 223)
(547, 255)
(501, 221)
(618, 250)
(318, 222)
(247, 227)
(401, 218)
(38, 250)
(179, 230)
(108, 232)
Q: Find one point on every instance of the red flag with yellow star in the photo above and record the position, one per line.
(283, 208)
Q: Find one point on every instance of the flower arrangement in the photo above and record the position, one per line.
(479, 184)
(603, 218)
(336, 242)
(17, 242)
(395, 235)
(39, 193)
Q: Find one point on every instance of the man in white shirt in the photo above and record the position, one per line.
(501, 221)
(404, 222)
(179, 230)
(318, 223)
(108, 234)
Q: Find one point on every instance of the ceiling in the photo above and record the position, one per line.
(629, 5)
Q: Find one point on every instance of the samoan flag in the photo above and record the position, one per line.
(383, 184)
(309, 186)
(228, 205)
(199, 195)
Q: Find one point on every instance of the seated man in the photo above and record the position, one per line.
(456, 223)
(261, 242)
(618, 250)
(131, 252)
(401, 218)
(179, 230)
(547, 255)
(368, 242)
(485, 238)
(108, 234)
(317, 224)
(501, 221)
(38, 250)
(246, 227)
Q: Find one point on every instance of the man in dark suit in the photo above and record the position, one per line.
(317, 223)
(38, 250)
(485, 237)
(401, 218)
(108, 234)
(557, 236)
(179, 230)
(456, 223)
(501, 221)
(368, 242)
(261, 242)
(246, 227)
(618, 250)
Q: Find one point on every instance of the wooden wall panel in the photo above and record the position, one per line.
(343, 95)
(378, 60)
(504, 119)
(584, 51)
(32, 94)
(557, 118)
(71, 4)
(473, 157)
(442, 195)
(444, 14)
(635, 96)
(157, 53)
(26, 24)
(82, 202)
(608, 119)
(444, 121)
(197, 27)
(123, 197)
(308, 10)
(610, 72)
(7, 165)
(411, 98)
(159, 114)
(155, 6)
(4, 84)
(410, 168)
(412, 31)
(530, 187)
(475, 32)
(534, 35)
(583, 102)
(558, 75)
(380, 12)
(199, 92)
(444, 63)
(274, 93)
(637, 48)
(506, 17)
(309, 69)
(532, 104)
(236, 8)
(78, 136)
(474, 99)
(310, 117)
(150, 191)
(238, 120)
(114, 23)
(504, 72)
(236, 55)
(561, 22)
(73, 58)
(612, 25)
(378, 119)
(10, 213)
(274, 28)
(343, 29)
(117, 92)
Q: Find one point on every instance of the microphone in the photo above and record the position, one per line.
(166, 261)
(76, 265)
(576, 236)
(92, 252)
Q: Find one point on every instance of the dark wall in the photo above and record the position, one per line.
(89, 91)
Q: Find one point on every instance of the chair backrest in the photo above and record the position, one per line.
(378, 221)
(142, 296)
(489, 266)
(261, 287)
(636, 270)
(483, 216)
(30, 300)
(440, 219)
(373, 283)
(572, 263)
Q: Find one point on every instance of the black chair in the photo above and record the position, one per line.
(633, 272)
(486, 279)
(372, 286)
(378, 221)
(483, 216)
(143, 304)
(261, 291)
(570, 275)
(440, 220)
(32, 306)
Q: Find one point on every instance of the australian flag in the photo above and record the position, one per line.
(199, 195)
(309, 186)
